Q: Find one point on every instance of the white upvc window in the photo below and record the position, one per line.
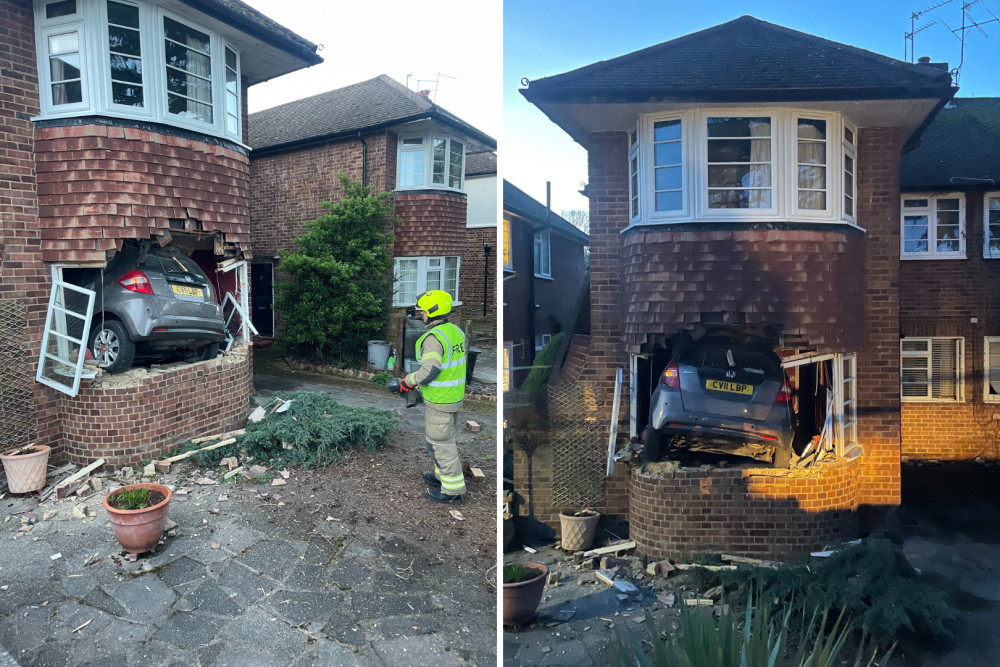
(129, 59)
(64, 341)
(991, 369)
(931, 369)
(416, 275)
(850, 182)
(733, 164)
(932, 226)
(543, 254)
(432, 160)
(991, 225)
(847, 403)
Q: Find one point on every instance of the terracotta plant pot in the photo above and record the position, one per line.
(520, 600)
(578, 531)
(26, 472)
(138, 531)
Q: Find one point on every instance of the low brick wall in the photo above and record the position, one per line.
(759, 512)
(129, 418)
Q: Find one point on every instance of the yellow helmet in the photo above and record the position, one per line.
(435, 303)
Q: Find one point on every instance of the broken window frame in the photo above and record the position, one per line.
(240, 302)
(845, 375)
(53, 311)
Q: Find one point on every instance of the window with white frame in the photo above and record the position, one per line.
(543, 254)
(991, 369)
(431, 161)
(742, 164)
(848, 412)
(991, 225)
(136, 60)
(931, 369)
(932, 226)
(416, 275)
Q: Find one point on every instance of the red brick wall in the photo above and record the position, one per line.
(127, 425)
(807, 280)
(754, 512)
(878, 359)
(99, 183)
(473, 275)
(940, 298)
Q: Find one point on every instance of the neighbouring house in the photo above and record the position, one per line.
(388, 137)
(478, 287)
(123, 121)
(949, 269)
(749, 175)
(545, 280)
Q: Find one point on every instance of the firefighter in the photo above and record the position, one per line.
(441, 378)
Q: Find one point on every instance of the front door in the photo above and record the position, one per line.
(262, 294)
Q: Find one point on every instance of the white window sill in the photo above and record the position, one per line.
(930, 400)
(756, 220)
(923, 257)
(549, 277)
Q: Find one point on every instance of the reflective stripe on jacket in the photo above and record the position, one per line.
(449, 385)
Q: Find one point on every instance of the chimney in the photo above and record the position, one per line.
(426, 94)
(926, 61)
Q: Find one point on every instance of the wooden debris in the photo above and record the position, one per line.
(209, 438)
(744, 560)
(72, 478)
(181, 457)
(64, 490)
(606, 576)
(611, 549)
(232, 473)
(699, 602)
(710, 568)
(81, 627)
(530, 550)
(714, 593)
(625, 586)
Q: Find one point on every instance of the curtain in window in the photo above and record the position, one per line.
(760, 176)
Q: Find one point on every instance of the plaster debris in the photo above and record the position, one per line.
(277, 481)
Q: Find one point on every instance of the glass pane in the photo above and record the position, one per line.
(439, 156)
(434, 280)
(812, 200)
(65, 67)
(739, 199)
(812, 152)
(668, 178)
(190, 86)
(232, 105)
(232, 85)
(848, 206)
(739, 127)
(947, 205)
(189, 109)
(667, 130)
(813, 178)
(123, 40)
(193, 39)
(231, 60)
(739, 176)
(915, 203)
(914, 346)
(66, 43)
(669, 201)
(125, 15)
(54, 10)
(411, 169)
(848, 136)
(129, 95)
(128, 70)
(67, 93)
(915, 233)
(455, 165)
(416, 141)
(232, 126)
(812, 129)
(187, 60)
(664, 154)
(739, 150)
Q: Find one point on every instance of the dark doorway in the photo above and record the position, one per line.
(262, 297)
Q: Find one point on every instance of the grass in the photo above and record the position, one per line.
(132, 499)
(514, 574)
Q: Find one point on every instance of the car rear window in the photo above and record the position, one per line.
(750, 361)
(165, 261)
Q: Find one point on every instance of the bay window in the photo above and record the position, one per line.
(745, 164)
(416, 275)
(126, 59)
(991, 225)
(432, 161)
(933, 226)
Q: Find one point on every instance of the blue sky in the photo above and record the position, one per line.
(549, 37)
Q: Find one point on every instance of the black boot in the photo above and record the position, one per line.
(429, 478)
(438, 497)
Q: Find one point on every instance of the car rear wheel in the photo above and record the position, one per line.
(782, 457)
(112, 346)
(207, 352)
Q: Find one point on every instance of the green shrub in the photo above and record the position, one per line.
(514, 573)
(542, 367)
(382, 378)
(340, 278)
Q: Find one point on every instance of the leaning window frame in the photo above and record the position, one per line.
(931, 210)
(987, 254)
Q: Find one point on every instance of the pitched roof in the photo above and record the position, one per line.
(522, 205)
(744, 60)
(480, 164)
(370, 105)
(962, 143)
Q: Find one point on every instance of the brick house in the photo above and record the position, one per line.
(478, 287)
(390, 138)
(122, 121)
(749, 174)
(545, 280)
(949, 308)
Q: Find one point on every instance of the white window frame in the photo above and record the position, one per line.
(846, 376)
(784, 168)
(542, 248)
(428, 150)
(986, 224)
(931, 212)
(928, 354)
(507, 246)
(634, 188)
(54, 313)
(91, 21)
(850, 149)
(988, 342)
(506, 370)
(240, 301)
(422, 269)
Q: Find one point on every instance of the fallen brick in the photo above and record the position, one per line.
(161, 466)
(473, 427)
(65, 490)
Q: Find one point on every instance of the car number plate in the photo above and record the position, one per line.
(731, 387)
(187, 291)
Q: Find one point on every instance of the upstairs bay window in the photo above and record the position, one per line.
(431, 161)
(754, 164)
(933, 226)
(136, 60)
(991, 225)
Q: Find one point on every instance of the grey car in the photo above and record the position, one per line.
(726, 395)
(154, 302)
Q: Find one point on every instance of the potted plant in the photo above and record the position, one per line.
(578, 529)
(26, 467)
(522, 591)
(138, 513)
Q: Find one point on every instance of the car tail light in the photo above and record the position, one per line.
(785, 393)
(136, 281)
(672, 376)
